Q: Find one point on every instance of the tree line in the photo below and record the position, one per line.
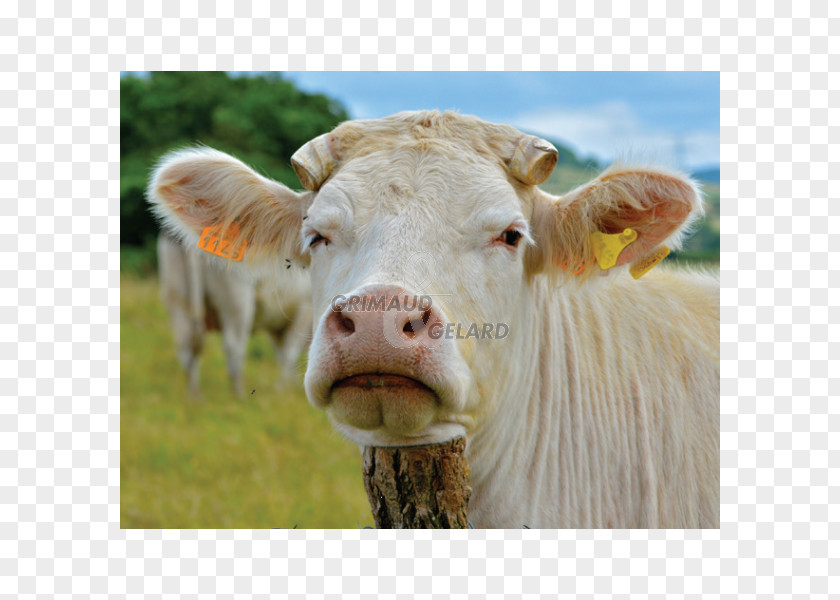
(261, 120)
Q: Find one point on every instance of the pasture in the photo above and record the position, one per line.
(270, 460)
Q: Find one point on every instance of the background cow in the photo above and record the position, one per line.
(201, 297)
(284, 311)
(601, 406)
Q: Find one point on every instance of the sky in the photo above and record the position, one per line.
(668, 117)
(671, 118)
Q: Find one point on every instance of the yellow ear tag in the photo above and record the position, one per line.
(642, 266)
(220, 243)
(607, 246)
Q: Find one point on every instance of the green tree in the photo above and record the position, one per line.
(260, 119)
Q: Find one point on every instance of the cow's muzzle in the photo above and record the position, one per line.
(386, 375)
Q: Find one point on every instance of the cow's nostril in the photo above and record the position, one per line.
(417, 325)
(346, 324)
(414, 327)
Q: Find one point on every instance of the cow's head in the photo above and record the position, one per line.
(423, 234)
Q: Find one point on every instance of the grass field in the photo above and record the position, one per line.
(268, 461)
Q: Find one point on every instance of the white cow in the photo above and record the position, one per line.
(589, 402)
(201, 297)
(284, 311)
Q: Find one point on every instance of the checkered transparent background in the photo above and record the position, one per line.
(59, 309)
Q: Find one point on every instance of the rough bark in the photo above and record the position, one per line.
(418, 487)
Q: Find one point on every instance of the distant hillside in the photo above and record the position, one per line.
(571, 170)
(711, 175)
(568, 157)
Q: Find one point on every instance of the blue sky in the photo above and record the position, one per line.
(669, 117)
(672, 118)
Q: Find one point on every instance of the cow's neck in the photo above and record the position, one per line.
(500, 450)
(550, 412)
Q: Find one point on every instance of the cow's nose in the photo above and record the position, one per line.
(386, 311)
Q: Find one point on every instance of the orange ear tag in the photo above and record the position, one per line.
(642, 266)
(607, 246)
(220, 243)
(578, 270)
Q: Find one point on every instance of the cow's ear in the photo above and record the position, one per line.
(202, 193)
(658, 205)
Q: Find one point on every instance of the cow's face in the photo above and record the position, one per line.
(417, 263)
(422, 233)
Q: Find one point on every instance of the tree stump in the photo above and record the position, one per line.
(418, 487)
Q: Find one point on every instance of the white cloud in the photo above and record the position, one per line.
(611, 130)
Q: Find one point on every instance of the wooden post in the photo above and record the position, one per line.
(418, 487)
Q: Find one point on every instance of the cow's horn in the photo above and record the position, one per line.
(314, 162)
(533, 160)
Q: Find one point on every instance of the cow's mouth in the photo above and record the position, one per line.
(369, 381)
(371, 401)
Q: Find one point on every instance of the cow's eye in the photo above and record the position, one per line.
(511, 238)
(317, 238)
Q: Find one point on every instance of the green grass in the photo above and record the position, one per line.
(270, 460)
